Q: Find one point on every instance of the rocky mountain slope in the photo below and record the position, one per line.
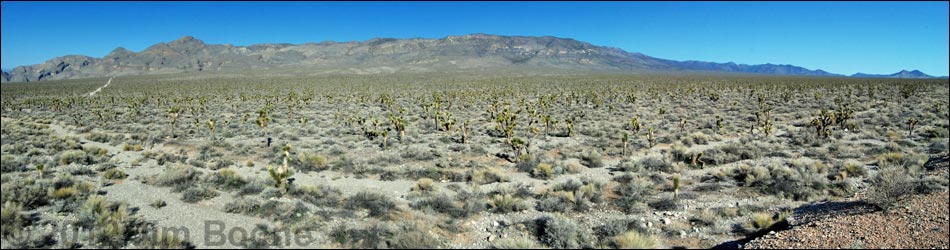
(379, 55)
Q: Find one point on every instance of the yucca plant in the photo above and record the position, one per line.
(912, 122)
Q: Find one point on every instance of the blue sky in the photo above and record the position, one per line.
(839, 37)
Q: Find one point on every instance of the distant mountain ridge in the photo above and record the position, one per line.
(382, 55)
(901, 74)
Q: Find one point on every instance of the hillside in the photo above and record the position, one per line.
(379, 55)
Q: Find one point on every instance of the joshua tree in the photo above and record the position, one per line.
(173, 114)
(696, 157)
(624, 140)
(719, 123)
(651, 138)
(399, 124)
(385, 134)
(570, 126)
(635, 125)
(262, 120)
(282, 173)
(912, 122)
(676, 187)
(211, 127)
(39, 169)
(517, 146)
(823, 123)
(682, 125)
(464, 130)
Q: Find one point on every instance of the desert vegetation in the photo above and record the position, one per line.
(461, 161)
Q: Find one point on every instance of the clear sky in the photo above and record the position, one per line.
(839, 37)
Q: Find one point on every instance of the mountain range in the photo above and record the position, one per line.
(389, 55)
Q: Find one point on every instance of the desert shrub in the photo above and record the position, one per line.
(462, 205)
(516, 243)
(854, 168)
(666, 203)
(306, 162)
(518, 190)
(656, 163)
(226, 179)
(11, 163)
(404, 235)
(889, 186)
(592, 160)
(74, 156)
(423, 186)
(732, 153)
(420, 153)
(627, 164)
(179, 177)
(489, 175)
(414, 236)
(30, 193)
(558, 232)
(162, 239)
(800, 183)
(112, 222)
(931, 184)
(320, 195)
(196, 194)
(158, 204)
(98, 137)
(633, 240)
(377, 204)
(255, 186)
(506, 203)
(543, 171)
(616, 227)
(372, 236)
(704, 217)
(132, 147)
(527, 163)
(630, 191)
(11, 218)
(763, 221)
(113, 174)
(243, 206)
(572, 194)
(937, 147)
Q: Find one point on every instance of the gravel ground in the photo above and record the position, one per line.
(921, 223)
